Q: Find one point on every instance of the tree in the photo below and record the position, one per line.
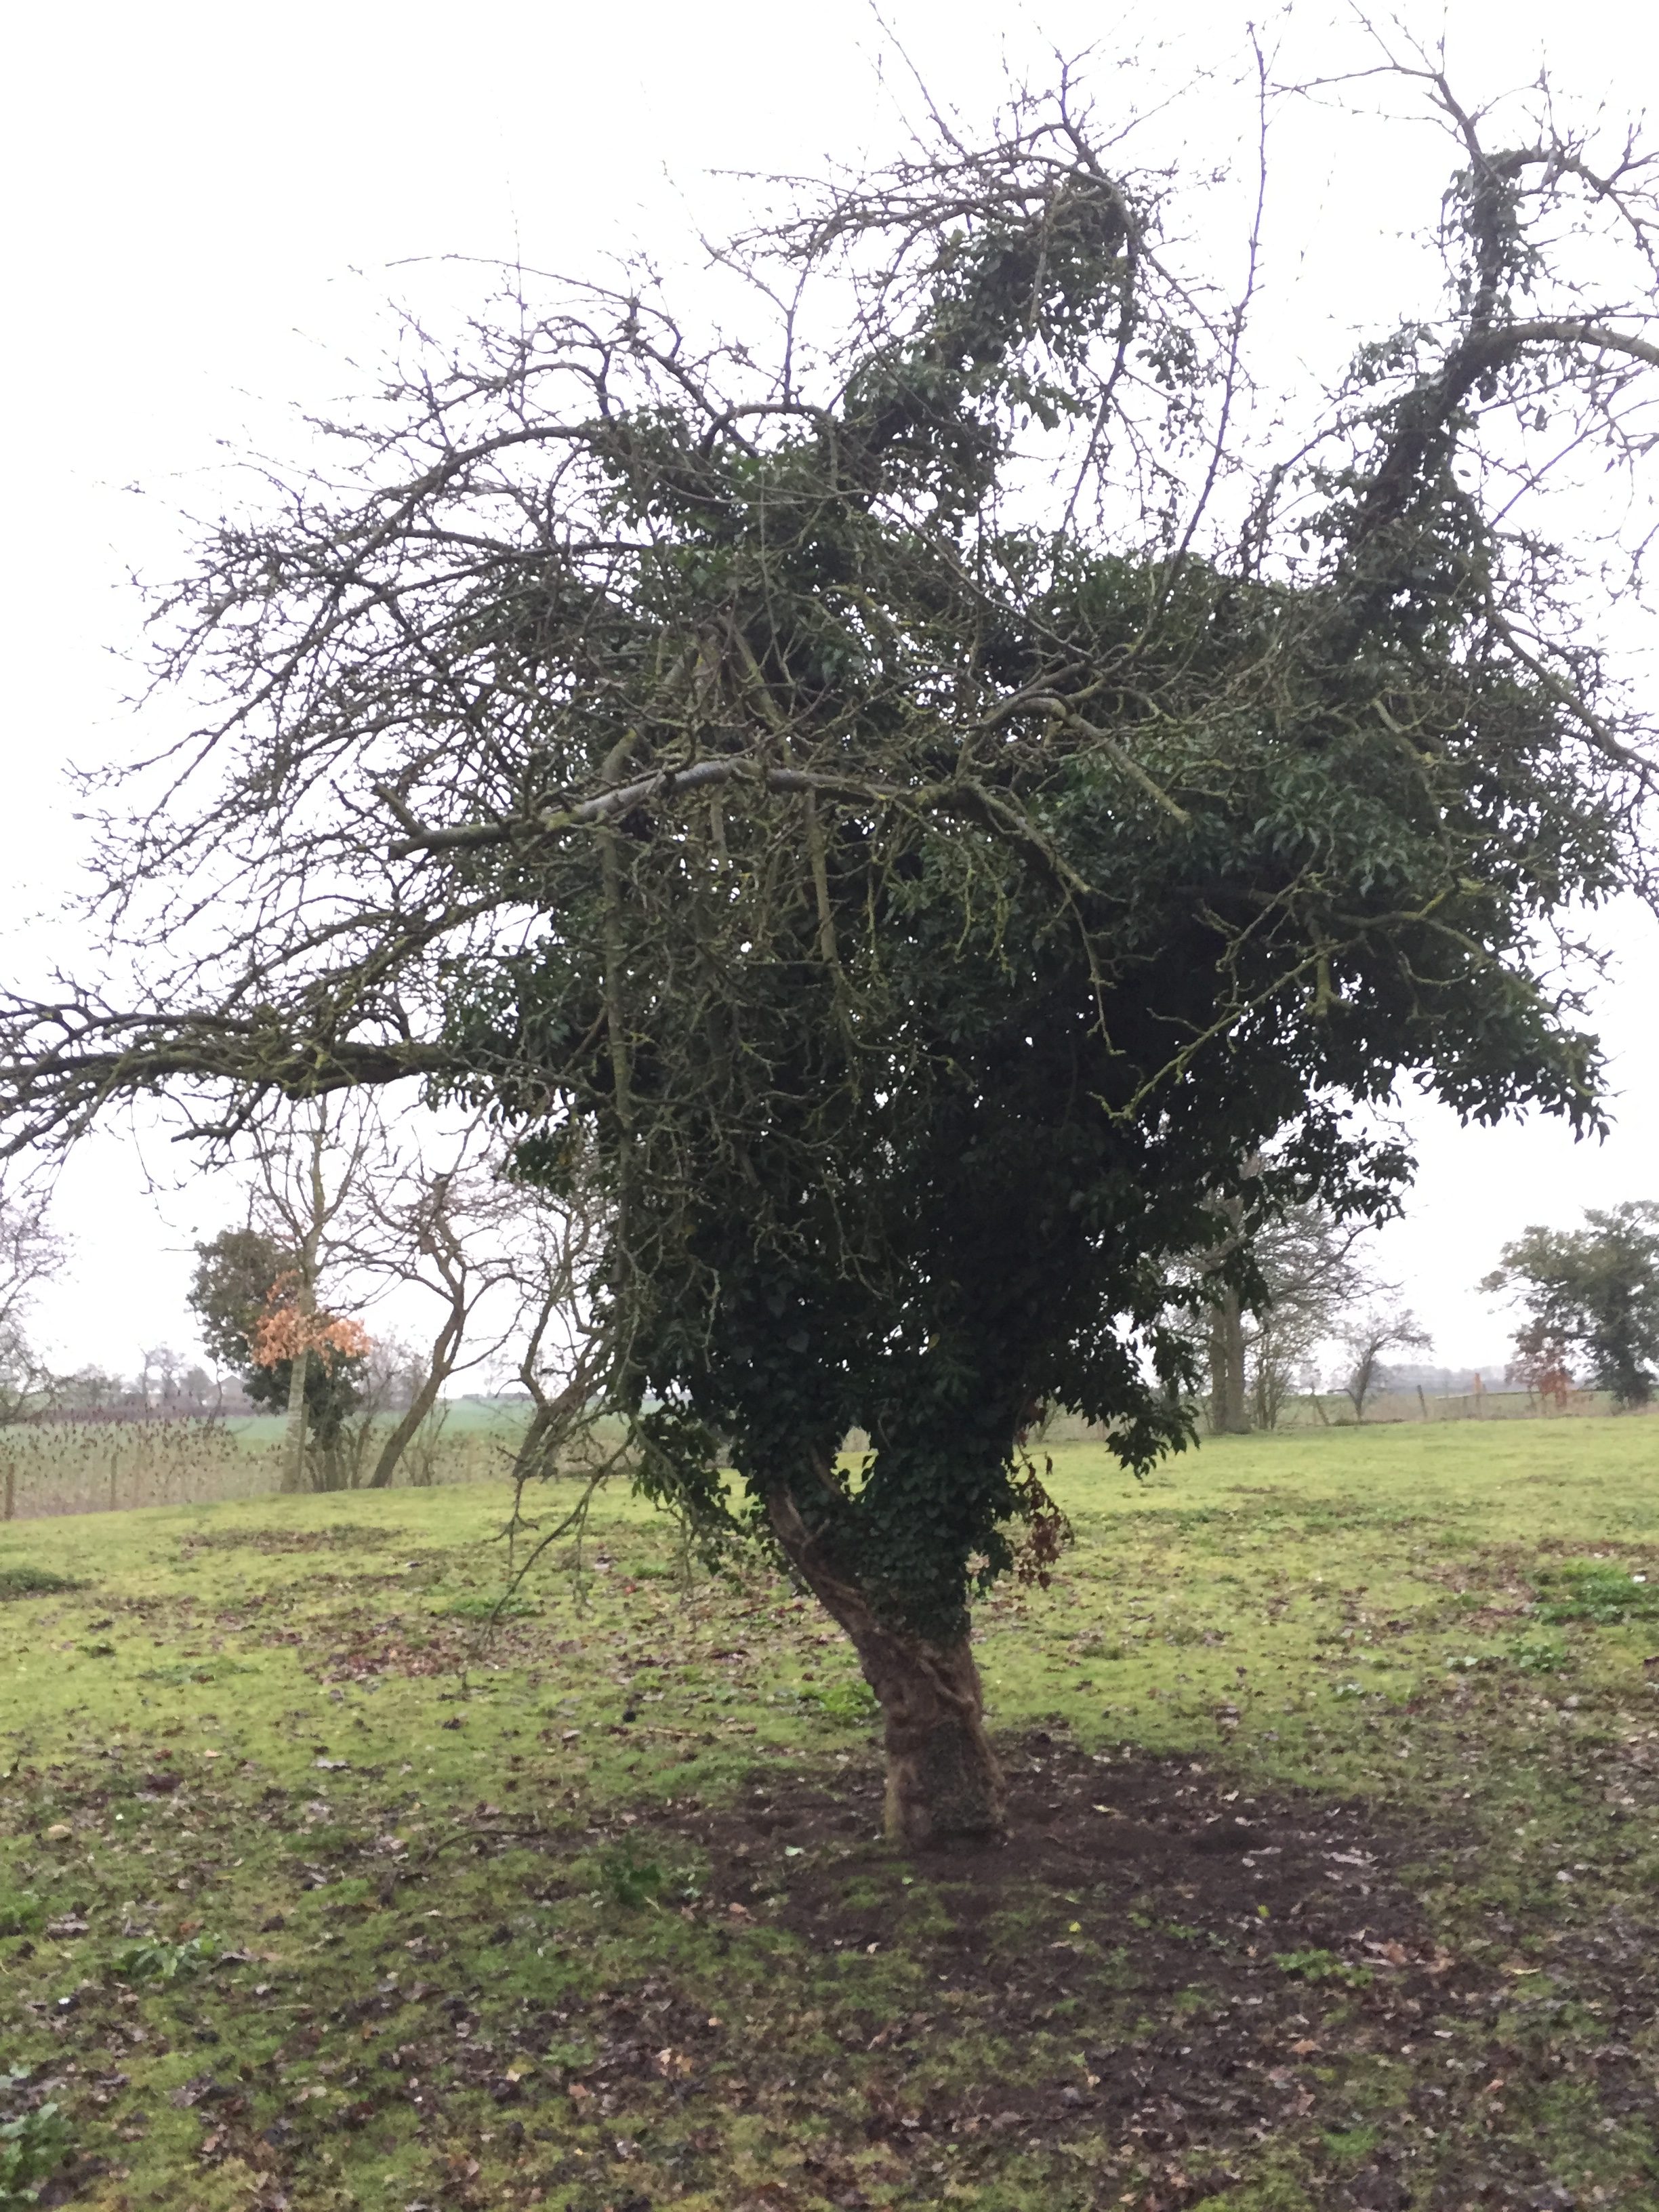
(235, 1273)
(31, 1255)
(243, 1296)
(89, 1390)
(565, 1356)
(257, 1288)
(1593, 1291)
(1367, 1337)
(1312, 1272)
(919, 798)
(324, 1355)
(301, 1192)
(462, 1232)
(361, 1203)
(1229, 1409)
(1272, 1294)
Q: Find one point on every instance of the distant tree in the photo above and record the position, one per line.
(1593, 1292)
(372, 1205)
(31, 1255)
(235, 1274)
(88, 1391)
(1226, 1346)
(1365, 1339)
(197, 1392)
(1273, 1295)
(325, 1354)
(443, 1218)
(308, 1172)
(566, 1353)
(161, 1379)
(1312, 1272)
(243, 1295)
(394, 1375)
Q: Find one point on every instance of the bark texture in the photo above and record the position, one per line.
(1229, 1414)
(943, 1779)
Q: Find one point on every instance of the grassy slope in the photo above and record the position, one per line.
(529, 1926)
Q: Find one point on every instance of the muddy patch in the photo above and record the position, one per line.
(1158, 1963)
(1163, 1854)
(343, 1536)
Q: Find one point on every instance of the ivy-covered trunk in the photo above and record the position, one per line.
(943, 1779)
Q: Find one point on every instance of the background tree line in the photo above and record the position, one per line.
(1320, 1318)
(1322, 1321)
(344, 1214)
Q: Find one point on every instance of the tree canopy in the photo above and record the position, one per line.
(894, 788)
(242, 1295)
(1591, 1294)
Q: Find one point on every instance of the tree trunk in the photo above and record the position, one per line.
(294, 1436)
(942, 1780)
(440, 1368)
(408, 1427)
(1229, 1412)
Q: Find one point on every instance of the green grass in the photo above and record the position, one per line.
(20, 1579)
(1319, 1965)
(1595, 1590)
(33, 2143)
(317, 1888)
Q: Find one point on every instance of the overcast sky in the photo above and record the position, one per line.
(205, 207)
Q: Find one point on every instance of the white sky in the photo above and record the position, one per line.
(203, 208)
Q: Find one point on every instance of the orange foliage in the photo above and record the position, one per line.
(283, 1332)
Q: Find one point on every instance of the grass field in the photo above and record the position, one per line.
(1335, 1765)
